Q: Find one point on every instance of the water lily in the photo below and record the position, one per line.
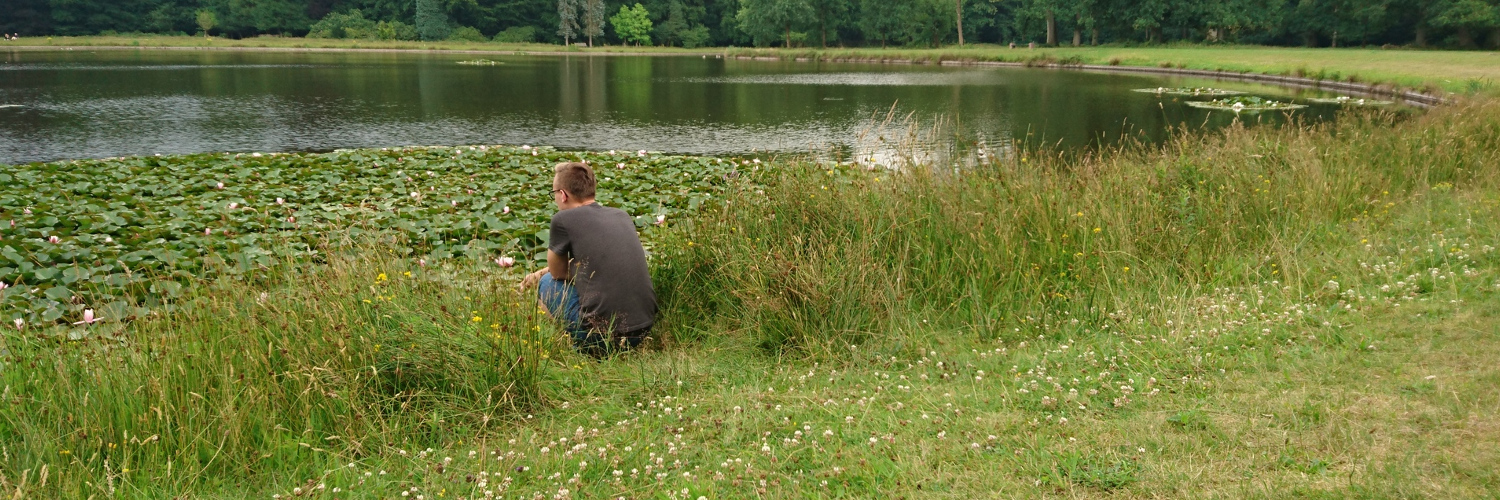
(292, 219)
(1238, 106)
(661, 219)
(505, 261)
(523, 146)
(640, 153)
(219, 185)
(233, 206)
(619, 165)
(3, 285)
(26, 211)
(533, 153)
(455, 203)
(256, 155)
(422, 262)
(208, 231)
(280, 201)
(108, 239)
(415, 194)
(505, 210)
(88, 318)
(20, 324)
(54, 239)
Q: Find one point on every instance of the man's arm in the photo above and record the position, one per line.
(558, 266)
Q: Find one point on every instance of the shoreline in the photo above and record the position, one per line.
(1428, 96)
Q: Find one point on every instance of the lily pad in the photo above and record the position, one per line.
(1244, 104)
(1190, 91)
(88, 233)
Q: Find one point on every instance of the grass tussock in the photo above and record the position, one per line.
(1255, 313)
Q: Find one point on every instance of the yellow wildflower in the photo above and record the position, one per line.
(380, 277)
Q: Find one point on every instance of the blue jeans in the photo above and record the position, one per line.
(561, 301)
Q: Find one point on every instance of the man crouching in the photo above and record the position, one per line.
(596, 281)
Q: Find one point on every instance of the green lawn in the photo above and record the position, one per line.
(1461, 72)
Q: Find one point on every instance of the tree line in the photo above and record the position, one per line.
(788, 23)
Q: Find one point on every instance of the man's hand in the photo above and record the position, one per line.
(531, 279)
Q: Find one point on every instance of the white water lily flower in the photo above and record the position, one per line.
(233, 206)
(619, 165)
(219, 185)
(280, 201)
(455, 203)
(534, 153)
(26, 211)
(506, 210)
(108, 239)
(640, 153)
(3, 285)
(20, 324)
(255, 155)
(207, 231)
(505, 261)
(415, 194)
(1238, 106)
(523, 146)
(661, 219)
(54, 239)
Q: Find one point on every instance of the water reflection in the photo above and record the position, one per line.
(79, 104)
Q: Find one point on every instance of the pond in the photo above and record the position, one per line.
(82, 103)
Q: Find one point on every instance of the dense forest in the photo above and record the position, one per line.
(796, 23)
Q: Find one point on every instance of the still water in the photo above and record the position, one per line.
(104, 103)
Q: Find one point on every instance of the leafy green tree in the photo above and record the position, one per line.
(593, 19)
(567, 20)
(633, 24)
(432, 21)
(350, 24)
(882, 19)
(830, 16)
(467, 34)
(1465, 18)
(206, 21)
(764, 19)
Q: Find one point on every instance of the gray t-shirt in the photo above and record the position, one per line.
(608, 267)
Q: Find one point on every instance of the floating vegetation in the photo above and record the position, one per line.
(1191, 91)
(481, 62)
(122, 236)
(1350, 101)
(1245, 104)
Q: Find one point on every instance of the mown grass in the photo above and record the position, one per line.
(1258, 312)
(1459, 72)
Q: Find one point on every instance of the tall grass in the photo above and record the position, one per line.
(315, 368)
(825, 256)
(355, 361)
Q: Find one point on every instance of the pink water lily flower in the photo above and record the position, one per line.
(506, 210)
(292, 219)
(523, 146)
(455, 203)
(619, 165)
(280, 201)
(3, 285)
(422, 262)
(208, 231)
(233, 206)
(505, 261)
(88, 318)
(640, 153)
(54, 239)
(26, 211)
(534, 153)
(219, 185)
(661, 219)
(20, 324)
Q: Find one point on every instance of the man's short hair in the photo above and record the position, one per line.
(576, 178)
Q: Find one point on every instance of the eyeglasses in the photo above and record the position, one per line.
(555, 191)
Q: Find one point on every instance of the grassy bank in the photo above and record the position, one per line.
(1460, 72)
(1256, 312)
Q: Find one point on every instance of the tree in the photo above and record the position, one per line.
(593, 19)
(632, 24)
(831, 15)
(1465, 17)
(432, 22)
(206, 21)
(567, 20)
(760, 18)
(882, 19)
